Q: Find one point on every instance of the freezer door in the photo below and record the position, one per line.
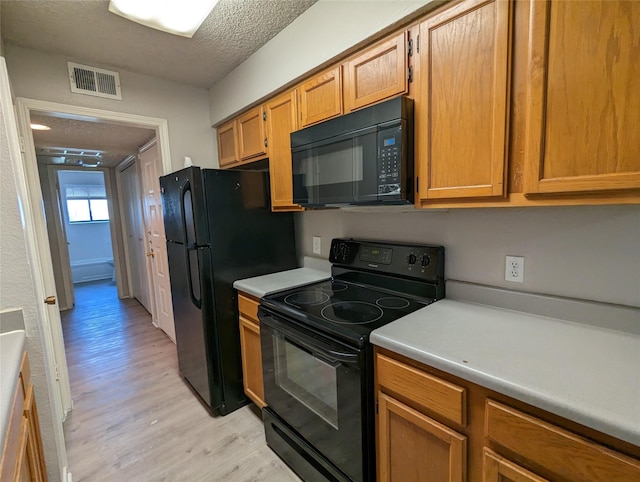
(184, 211)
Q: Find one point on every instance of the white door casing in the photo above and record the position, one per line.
(134, 235)
(28, 185)
(155, 237)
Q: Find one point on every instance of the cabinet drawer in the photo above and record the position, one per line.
(425, 390)
(248, 306)
(564, 454)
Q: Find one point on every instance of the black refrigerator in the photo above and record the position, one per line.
(219, 228)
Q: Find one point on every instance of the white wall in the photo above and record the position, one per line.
(586, 252)
(16, 287)
(42, 76)
(325, 30)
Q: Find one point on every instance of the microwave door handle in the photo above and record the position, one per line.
(334, 139)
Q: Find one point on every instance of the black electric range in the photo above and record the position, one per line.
(318, 362)
(345, 309)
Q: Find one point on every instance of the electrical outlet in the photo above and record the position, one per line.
(514, 269)
(317, 245)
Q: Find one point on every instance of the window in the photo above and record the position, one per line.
(87, 204)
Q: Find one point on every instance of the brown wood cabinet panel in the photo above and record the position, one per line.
(425, 390)
(320, 97)
(282, 120)
(248, 306)
(252, 361)
(563, 453)
(583, 97)
(413, 447)
(252, 139)
(378, 73)
(23, 455)
(499, 469)
(464, 86)
(227, 144)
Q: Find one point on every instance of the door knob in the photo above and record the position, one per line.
(150, 253)
(50, 300)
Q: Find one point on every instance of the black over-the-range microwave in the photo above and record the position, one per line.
(362, 158)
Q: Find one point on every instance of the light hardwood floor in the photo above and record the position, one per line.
(134, 419)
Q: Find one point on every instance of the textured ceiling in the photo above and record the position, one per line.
(86, 31)
(115, 141)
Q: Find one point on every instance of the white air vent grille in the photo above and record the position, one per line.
(93, 81)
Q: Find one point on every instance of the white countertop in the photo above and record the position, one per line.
(587, 374)
(11, 348)
(259, 286)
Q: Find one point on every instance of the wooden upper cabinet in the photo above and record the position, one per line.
(413, 447)
(252, 139)
(378, 73)
(499, 469)
(583, 99)
(282, 115)
(320, 97)
(227, 145)
(464, 98)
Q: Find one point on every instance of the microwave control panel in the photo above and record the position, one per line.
(390, 161)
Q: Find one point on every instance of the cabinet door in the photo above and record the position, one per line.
(252, 141)
(464, 91)
(376, 74)
(252, 361)
(227, 144)
(281, 122)
(499, 469)
(321, 97)
(413, 447)
(583, 98)
(35, 452)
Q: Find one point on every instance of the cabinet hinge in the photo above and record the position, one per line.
(264, 116)
(265, 142)
(22, 148)
(410, 47)
(418, 43)
(57, 370)
(410, 73)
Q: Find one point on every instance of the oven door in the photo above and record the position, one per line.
(315, 385)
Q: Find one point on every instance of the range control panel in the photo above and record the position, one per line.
(411, 260)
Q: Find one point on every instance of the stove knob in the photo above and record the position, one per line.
(411, 259)
(425, 260)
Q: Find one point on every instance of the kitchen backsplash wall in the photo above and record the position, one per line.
(584, 252)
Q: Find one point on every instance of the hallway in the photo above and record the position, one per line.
(134, 418)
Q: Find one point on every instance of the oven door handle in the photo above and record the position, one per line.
(315, 347)
(330, 357)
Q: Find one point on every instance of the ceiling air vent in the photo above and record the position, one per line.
(93, 81)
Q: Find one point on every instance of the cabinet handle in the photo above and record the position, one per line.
(264, 116)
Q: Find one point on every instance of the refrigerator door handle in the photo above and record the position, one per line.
(184, 189)
(197, 302)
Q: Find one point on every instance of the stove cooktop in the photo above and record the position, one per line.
(344, 309)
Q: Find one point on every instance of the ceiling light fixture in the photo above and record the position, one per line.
(173, 16)
(40, 127)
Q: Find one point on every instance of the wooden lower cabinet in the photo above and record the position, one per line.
(498, 438)
(414, 448)
(251, 350)
(22, 455)
(499, 469)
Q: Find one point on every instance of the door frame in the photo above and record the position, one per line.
(34, 212)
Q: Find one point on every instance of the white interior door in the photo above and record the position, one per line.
(151, 169)
(134, 237)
